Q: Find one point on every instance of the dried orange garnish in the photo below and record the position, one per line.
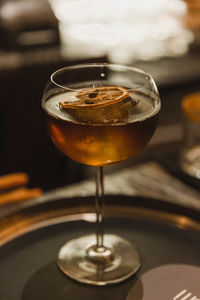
(97, 97)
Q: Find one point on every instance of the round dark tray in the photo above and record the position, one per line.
(30, 239)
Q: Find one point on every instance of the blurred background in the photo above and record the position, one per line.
(39, 36)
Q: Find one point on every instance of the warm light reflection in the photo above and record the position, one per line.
(184, 222)
(125, 30)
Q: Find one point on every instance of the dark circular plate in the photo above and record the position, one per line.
(30, 240)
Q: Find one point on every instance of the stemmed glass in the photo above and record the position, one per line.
(99, 115)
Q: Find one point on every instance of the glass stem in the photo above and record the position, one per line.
(99, 203)
(99, 254)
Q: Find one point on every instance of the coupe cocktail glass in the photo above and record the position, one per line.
(99, 115)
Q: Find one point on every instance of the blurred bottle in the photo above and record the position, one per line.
(190, 151)
(27, 24)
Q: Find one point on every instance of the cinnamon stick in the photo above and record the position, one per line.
(13, 180)
(19, 194)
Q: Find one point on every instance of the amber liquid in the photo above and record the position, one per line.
(100, 144)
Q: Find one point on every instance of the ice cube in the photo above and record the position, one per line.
(116, 113)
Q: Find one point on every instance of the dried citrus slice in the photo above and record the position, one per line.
(97, 97)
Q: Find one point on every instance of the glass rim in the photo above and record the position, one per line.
(147, 76)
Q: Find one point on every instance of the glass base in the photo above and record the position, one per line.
(76, 259)
(190, 161)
